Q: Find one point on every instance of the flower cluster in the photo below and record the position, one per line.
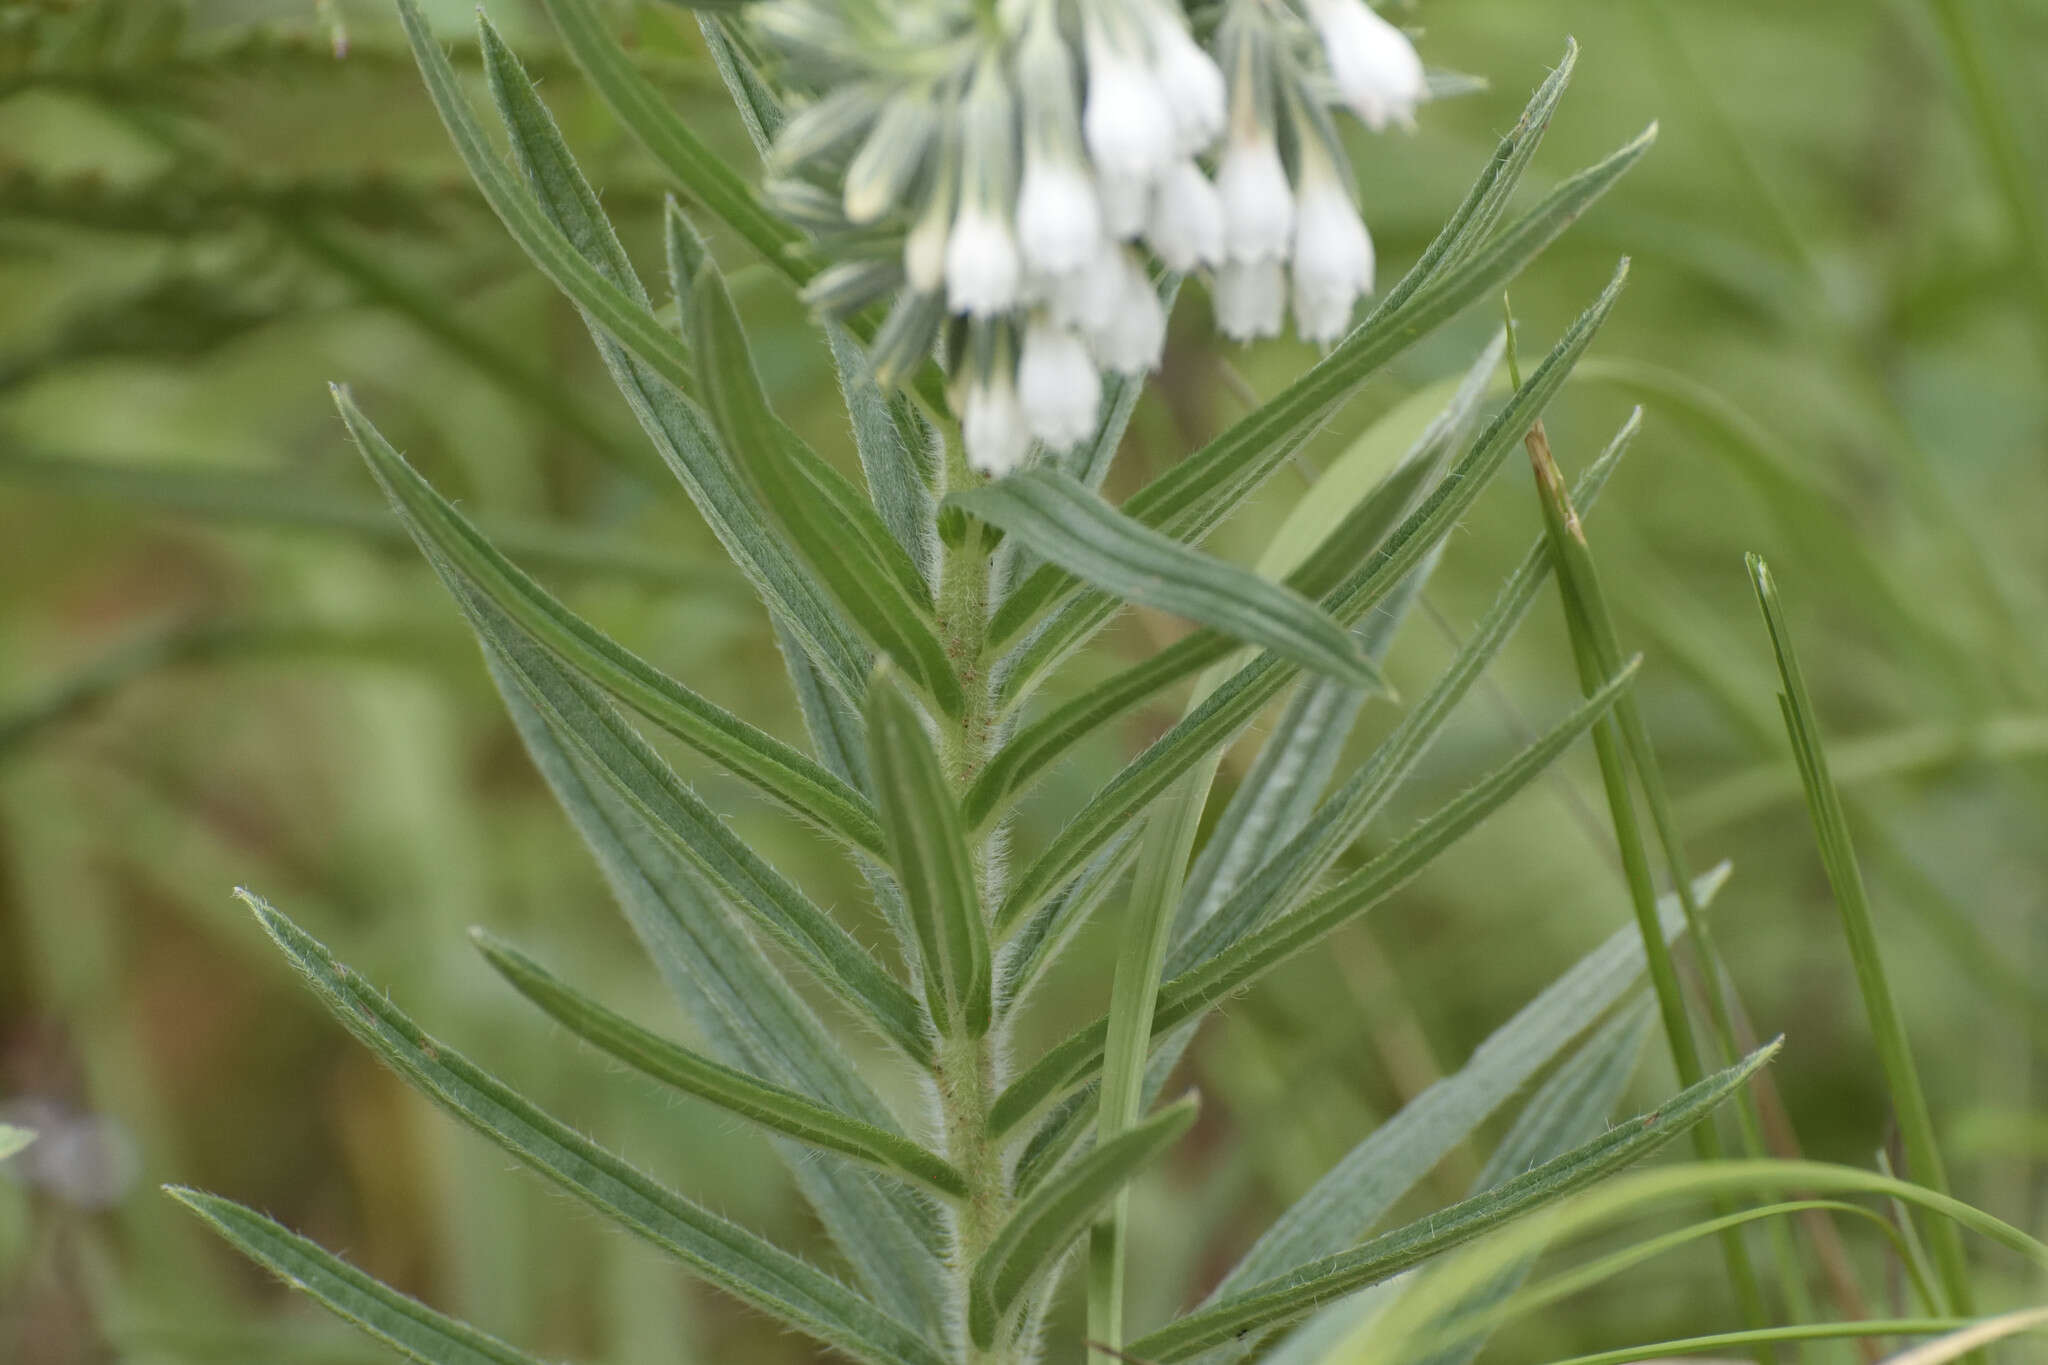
(1009, 175)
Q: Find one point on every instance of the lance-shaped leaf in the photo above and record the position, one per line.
(476, 567)
(602, 737)
(831, 525)
(772, 1106)
(934, 864)
(1195, 992)
(1065, 522)
(737, 1261)
(679, 431)
(1357, 1192)
(402, 1323)
(707, 176)
(750, 1017)
(1234, 704)
(1275, 885)
(1570, 1109)
(896, 450)
(1297, 1293)
(1047, 1224)
(1188, 500)
(601, 299)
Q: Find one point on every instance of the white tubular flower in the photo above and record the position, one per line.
(1127, 123)
(1258, 206)
(1188, 77)
(1126, 204)
(924, 246)
(1333, 260)
(1086, 299)
(1059, 221)
(981, 264)
(1186, 227)
(1058, 386)
(1376, 68)
(1249, 298)
(1132, 338)
(992, 425)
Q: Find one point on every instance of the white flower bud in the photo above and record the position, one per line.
(924, 250)
(992, 425)
(1258, 206)
(1126, 204)
(1249, 297)
(1333, 259)
(1376, 68)
(1059, 221)
(1132, 336)
(1188, 77)
(1057, 385)
(1126, 121)
(1186, 227)
(981, 263)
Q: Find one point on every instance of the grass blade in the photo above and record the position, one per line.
(1193, 993)
(1300, 1291)
(934, 861)
(773, 1107)
(737, 1261)
(455, 546)
(1038, 1235)
(1838, 855)
(1066, 523)
(402, 1323)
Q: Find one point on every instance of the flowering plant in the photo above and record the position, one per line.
(964, 191)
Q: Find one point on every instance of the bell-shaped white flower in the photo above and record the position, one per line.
(1189, 78)
(1059, 219)
(1126, 121)
(1186, 224)
(992, 425)
(1333, 258)
(1376, 68)
(1057, 385)
(1258, 205)
(1126, 204)
(981, 263)
(1249, 298)
(1087, 298)
(1131, 338)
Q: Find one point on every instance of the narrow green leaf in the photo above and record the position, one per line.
(1358, 1191)
(1845, 878)
(1047, 1224)
(1234, 704)
(887, 435)
(707, 176)
(1047, 933)
(1187, 501)
(404, 1324)
(681, 435)
(934, 862)
(751, 1018)
(1291, 1296)
(771, 1106)
(14, 1140)
(832, 526)
(604, 301)
(1275, 885)
(601, 736)
(1064, 522)
(737, 1261)
(1570, 1109)
(456, 546)
(1195, 992)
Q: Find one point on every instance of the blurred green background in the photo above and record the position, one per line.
(220, 666)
